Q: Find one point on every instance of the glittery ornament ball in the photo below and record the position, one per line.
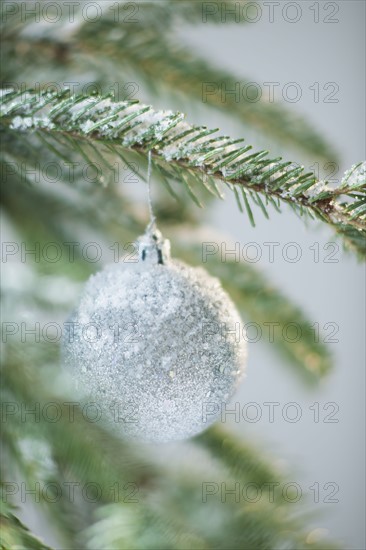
(155, 343)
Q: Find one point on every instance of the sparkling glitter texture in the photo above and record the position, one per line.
(157, 344)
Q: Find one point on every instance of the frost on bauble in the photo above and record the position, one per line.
(162, 350)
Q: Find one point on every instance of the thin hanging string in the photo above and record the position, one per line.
(151, 225)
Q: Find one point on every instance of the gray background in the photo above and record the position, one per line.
(305, 52)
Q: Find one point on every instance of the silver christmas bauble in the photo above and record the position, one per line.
(155, 344)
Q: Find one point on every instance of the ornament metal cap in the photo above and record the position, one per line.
(152, 246)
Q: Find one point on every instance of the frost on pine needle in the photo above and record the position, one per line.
(355, 176)
(6, 91)
(27, 123)
(359, 211)
(151, 125)
(87, 126)
(317, 188)
(39, 455)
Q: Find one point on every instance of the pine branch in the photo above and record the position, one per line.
(14, 534)
(242, 460)
(147, 46)
(80, 449)
(262, 303)
(191, 154)
(169, 512)
(180, 70)
(160, 13)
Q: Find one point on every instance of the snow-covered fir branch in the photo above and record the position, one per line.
(193, 149)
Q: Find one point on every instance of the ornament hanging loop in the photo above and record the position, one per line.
(152, 246)
(152, 225)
